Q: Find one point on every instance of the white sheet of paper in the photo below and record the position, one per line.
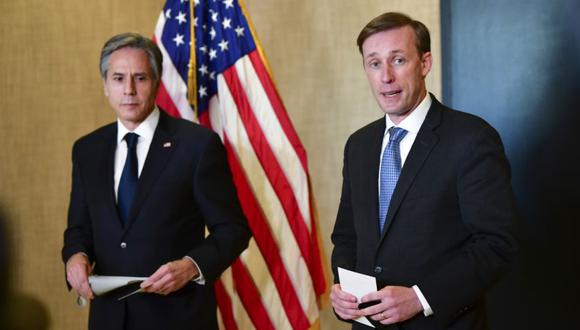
(358, 285)
(103, 284)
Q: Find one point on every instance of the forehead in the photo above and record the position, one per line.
(401, 39)
(133, 59)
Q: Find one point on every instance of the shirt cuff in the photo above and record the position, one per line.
(199, 279)
(427, 311)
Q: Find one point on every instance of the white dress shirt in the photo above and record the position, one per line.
(145, 130)
(411, 124)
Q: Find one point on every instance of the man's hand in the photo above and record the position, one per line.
(170, 277)
(344, 304)
(78, 269)
(398, 303)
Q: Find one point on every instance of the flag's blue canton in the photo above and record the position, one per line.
(176, 35)
(222, 36)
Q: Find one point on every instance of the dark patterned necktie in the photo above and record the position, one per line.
(129, 177)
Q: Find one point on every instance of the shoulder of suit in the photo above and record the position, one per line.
(369, 129)
(461, 119)
(185, 127)
(101, 134)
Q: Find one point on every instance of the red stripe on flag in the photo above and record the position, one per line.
(204, 119)
(225, 305)
(250, 296)
(272, 168)
(165, 102)
(318, 279)
(278, 107)
(266, 244)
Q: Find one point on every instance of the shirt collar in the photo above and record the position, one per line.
(415, 119)
(145, 130)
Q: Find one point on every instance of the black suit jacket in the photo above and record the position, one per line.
(185, 185)
(450, 223)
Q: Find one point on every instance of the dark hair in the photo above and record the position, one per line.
(392, 20)
(132, 40)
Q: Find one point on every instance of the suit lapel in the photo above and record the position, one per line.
(424, 143)
(160, 152)
(104, 180)
(371, 183)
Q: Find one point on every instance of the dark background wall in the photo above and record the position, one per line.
(516, 63)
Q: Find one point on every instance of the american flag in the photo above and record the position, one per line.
(224, 83)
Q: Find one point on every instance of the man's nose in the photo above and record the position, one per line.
(129, 87)
(387, 75)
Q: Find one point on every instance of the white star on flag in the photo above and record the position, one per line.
(226, 23)
(229, 3)
(203, 70)
(212, 54)
(178, 39)
(202, 91)
(239, 31)
(223, 45)
(181, 18)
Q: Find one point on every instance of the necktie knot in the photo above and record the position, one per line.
(131, 139)
(396, 134)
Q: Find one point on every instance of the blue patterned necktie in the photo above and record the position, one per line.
(129, 177)
(390, 170)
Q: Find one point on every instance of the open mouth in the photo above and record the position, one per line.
(391, 93)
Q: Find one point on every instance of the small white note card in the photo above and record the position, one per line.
(358, 285)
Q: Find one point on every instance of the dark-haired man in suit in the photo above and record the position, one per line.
(427, 205)
(144, 189)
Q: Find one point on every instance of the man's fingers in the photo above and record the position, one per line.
(81, 285)
(163, 281)
(347, 314)
(151, 283)
(85, 290)
(345, 305)
(78, 271)
(338, 293)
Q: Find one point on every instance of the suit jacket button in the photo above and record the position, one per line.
(378, 270)
(123, 245)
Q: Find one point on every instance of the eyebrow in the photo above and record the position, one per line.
(139, 74)
(392, 52)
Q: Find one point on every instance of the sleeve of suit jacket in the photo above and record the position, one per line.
(78, 234)
(487, 209)
(216, 197)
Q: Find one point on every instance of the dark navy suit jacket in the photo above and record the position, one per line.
(185, 185)
(450, 223)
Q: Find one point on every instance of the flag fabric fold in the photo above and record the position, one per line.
(214, 73)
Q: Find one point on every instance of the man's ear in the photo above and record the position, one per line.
(105, 87)
(426, 63)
